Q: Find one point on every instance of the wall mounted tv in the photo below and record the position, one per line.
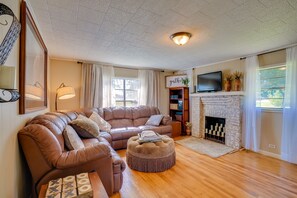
(209, 82)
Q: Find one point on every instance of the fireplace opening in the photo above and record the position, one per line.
(215, 129)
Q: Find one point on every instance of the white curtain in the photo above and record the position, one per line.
(149, 87)
(289, 133)
(252, 114)
(96, 86)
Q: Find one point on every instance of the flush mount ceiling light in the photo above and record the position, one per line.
(180, 38)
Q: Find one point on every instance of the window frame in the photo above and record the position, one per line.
(271, 109)
(124, 90)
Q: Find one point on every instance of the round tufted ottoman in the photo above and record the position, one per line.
(150, 157)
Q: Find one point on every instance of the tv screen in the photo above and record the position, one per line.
(209, 82)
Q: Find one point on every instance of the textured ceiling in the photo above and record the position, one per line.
(136, 32)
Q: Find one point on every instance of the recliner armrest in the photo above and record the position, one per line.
(74, 158)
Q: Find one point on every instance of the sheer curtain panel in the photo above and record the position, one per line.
(252, 115)
(289, 132)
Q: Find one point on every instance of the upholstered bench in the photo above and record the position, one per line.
(151, 156)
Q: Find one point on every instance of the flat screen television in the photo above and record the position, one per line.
(209, 82)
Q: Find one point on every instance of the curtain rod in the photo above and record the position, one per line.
(80, 62)
(270, 51)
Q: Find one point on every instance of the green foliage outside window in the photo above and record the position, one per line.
(272, 87)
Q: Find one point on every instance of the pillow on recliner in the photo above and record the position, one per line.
(102, 124)
(154, 120)
(85, 127)
(72, 140)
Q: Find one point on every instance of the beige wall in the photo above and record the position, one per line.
(14, 177)
(226, 68)
(69, 73)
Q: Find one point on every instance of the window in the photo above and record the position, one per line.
(272, 87)
(126, 91)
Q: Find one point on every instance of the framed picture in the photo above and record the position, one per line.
(33, 65)
(175, 81)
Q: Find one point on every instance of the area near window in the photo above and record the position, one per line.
(126, 91)
(272, 86)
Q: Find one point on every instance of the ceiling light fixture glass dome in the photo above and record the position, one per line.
(181, 38)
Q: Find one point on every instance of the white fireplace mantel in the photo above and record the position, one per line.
(219, 93)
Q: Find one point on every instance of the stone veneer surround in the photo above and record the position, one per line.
(223, 106)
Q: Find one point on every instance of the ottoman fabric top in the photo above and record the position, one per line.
(151, 150)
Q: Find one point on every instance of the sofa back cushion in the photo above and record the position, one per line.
(119, 123)
(114, 113)
(144, 112)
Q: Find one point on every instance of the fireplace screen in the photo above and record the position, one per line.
(215, 129)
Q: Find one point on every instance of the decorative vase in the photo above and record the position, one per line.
(227, 85)
(237, 85)
(188, 131)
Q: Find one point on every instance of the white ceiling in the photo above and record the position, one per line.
(136, 32)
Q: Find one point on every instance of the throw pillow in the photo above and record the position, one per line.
(72, 140)
(85, 127)
(103, 125)
(154, 120)
(166, 120)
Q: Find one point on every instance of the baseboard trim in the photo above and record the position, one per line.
(277, 156)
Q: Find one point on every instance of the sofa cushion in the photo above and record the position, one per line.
(103, 125)
(85, 127)
(154, 120)
(72, 140)
(166, 120)
(124, 133)
(144, 111)
(119, 123)
(140, 121)
(112, 113)
(90, 142)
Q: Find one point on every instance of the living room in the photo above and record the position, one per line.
(133, 37)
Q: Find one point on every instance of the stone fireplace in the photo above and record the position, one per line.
(223, 105)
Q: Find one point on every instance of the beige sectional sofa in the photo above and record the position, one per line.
(129, 121)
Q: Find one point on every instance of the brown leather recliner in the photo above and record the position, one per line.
(43, 145)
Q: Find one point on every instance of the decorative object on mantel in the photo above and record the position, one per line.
(188, 128)
(186, 81)
(237, 82)
(181, 38)
(64, 92)
(33, 65)
(9, 95)
(175, 81)
(12, 32)
(206, 147)
(228, 82)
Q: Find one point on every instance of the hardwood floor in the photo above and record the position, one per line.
(241, 174)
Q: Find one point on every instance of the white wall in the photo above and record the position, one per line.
(14, 177)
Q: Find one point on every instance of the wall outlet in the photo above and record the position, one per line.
(272, 146)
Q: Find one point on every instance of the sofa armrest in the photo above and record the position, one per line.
(166, 120)
(81, 156)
